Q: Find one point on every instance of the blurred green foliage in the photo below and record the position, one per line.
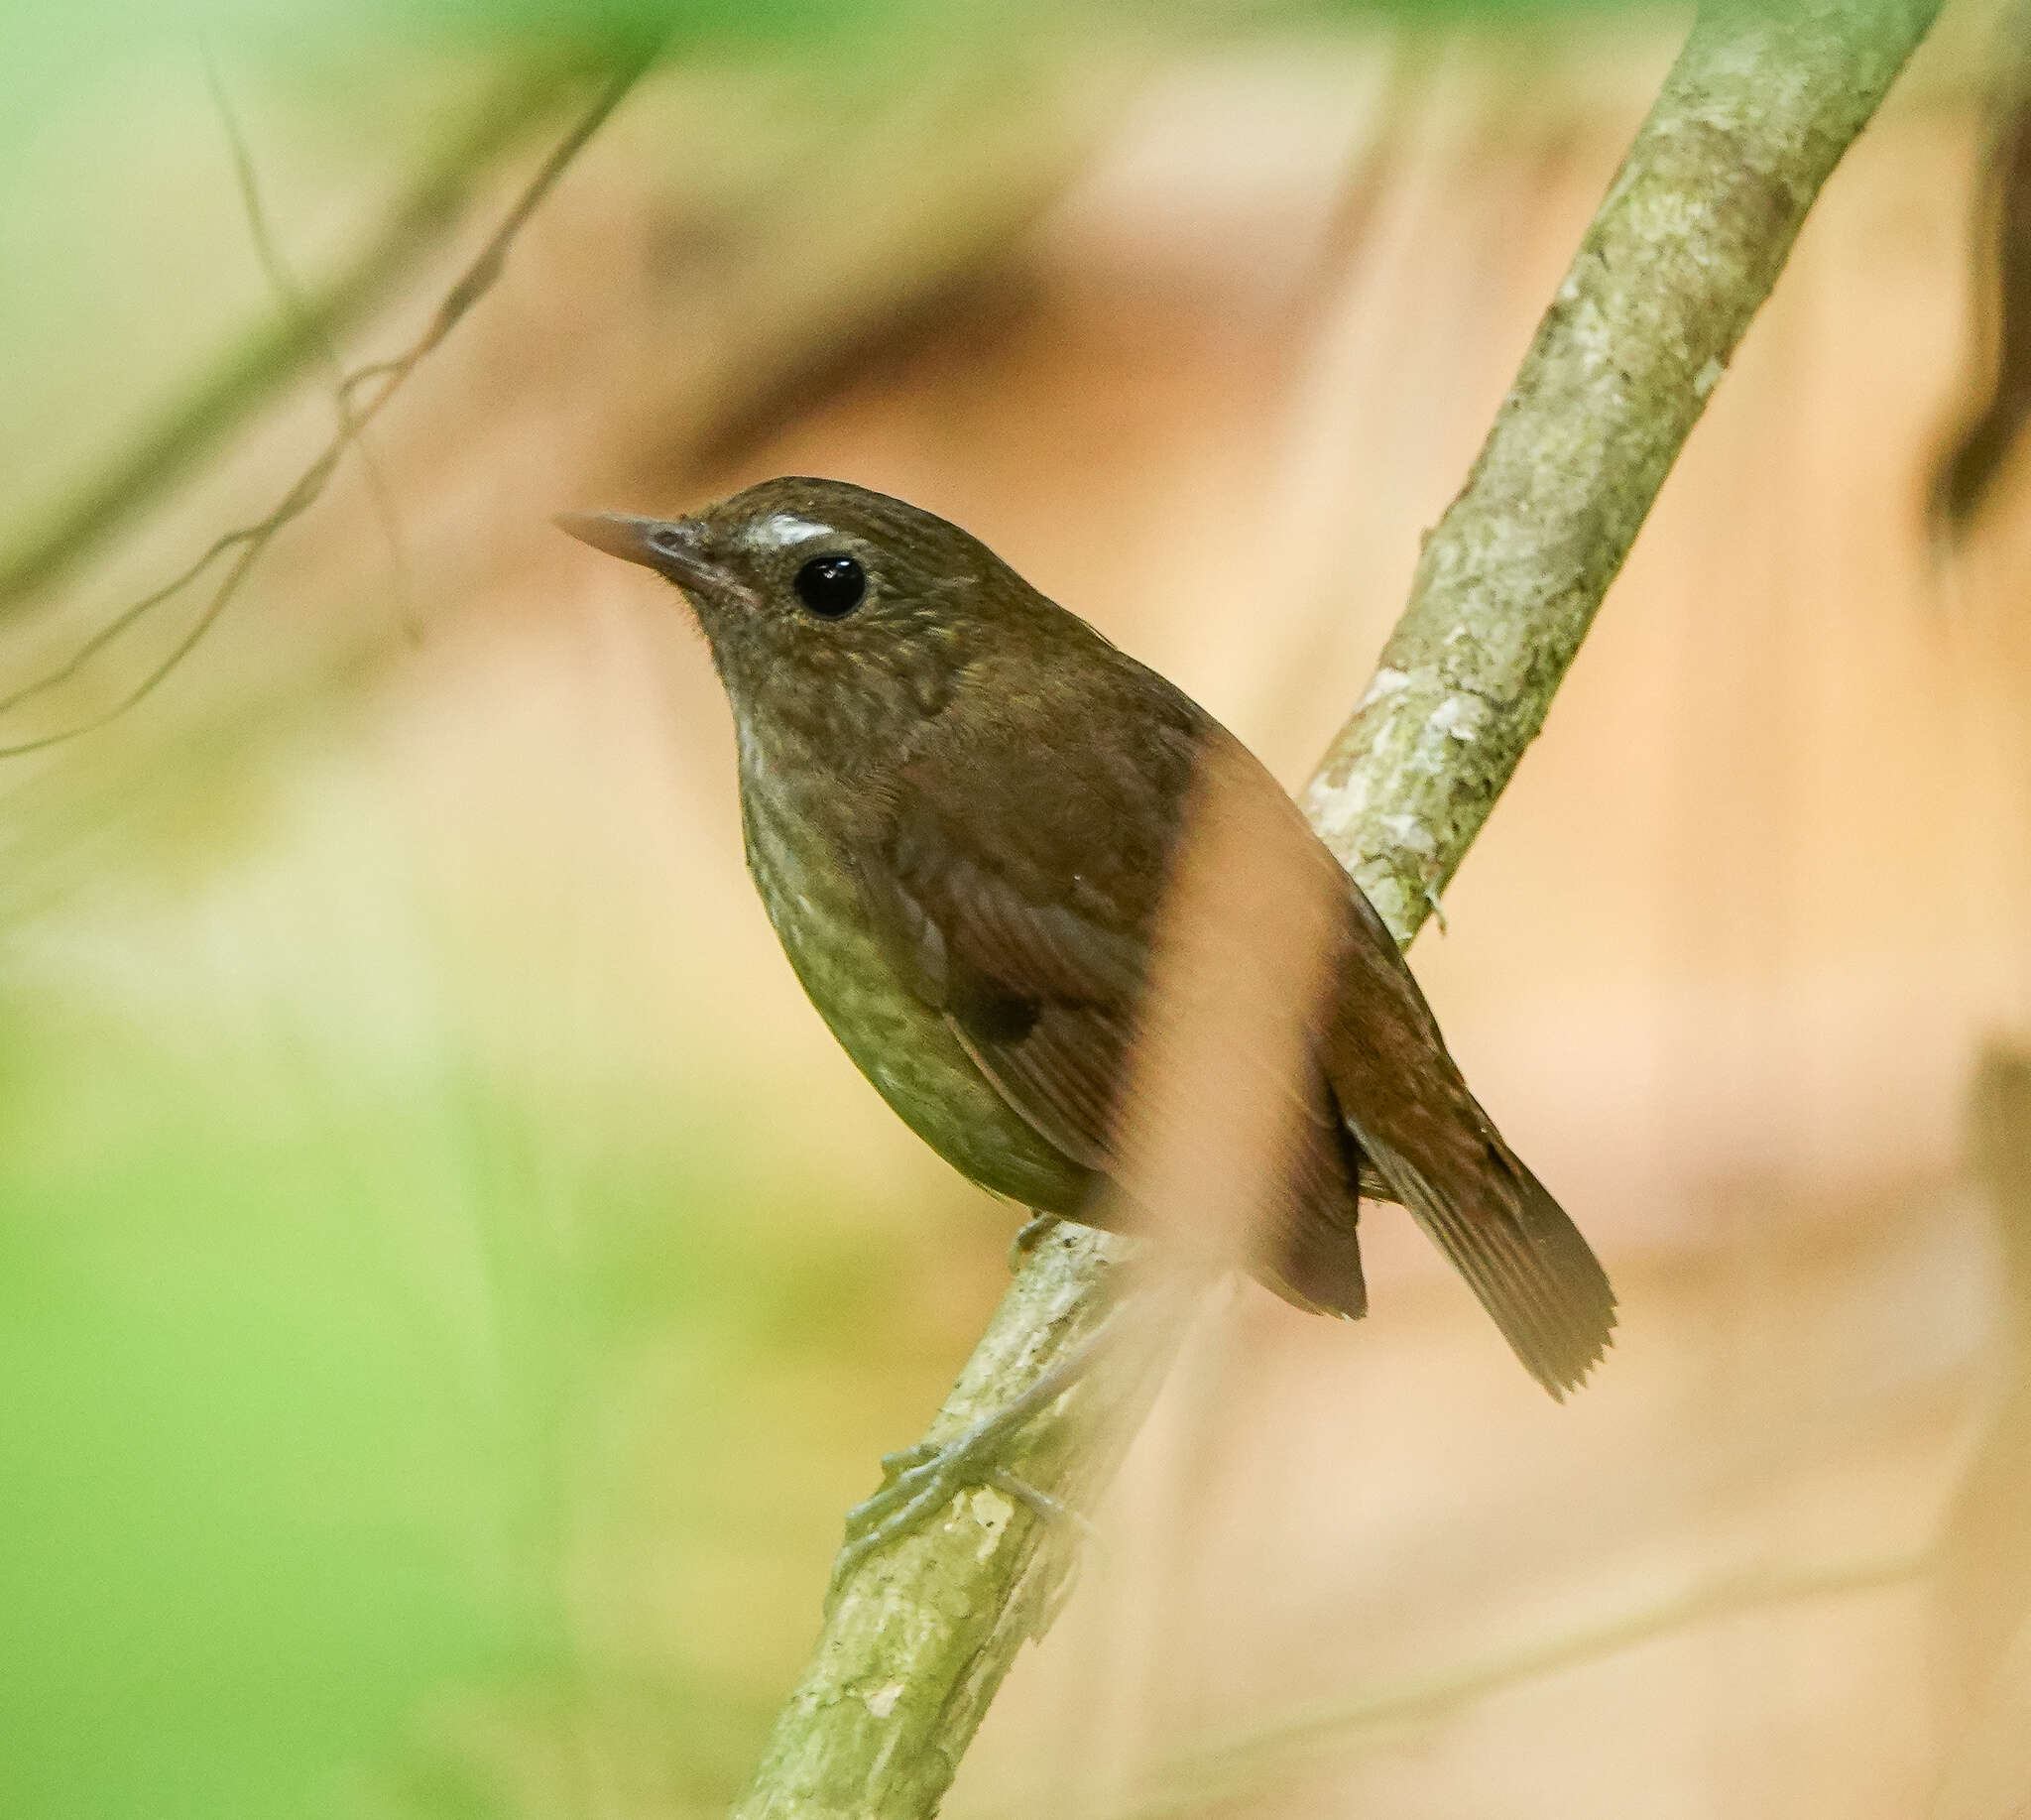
(244, 1507)
(392, 1426)
(53, 51)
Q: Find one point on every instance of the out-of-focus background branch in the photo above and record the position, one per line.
(449, 1282)
(360, 395)
(1971, 466)
(248, 375)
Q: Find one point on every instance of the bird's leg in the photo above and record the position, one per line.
(1032, 1233)
(921, 1480)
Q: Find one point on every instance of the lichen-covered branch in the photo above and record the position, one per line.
(1686, 246)
(1751, 121)
(919, 1637)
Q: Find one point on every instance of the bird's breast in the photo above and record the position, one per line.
(901, 1045)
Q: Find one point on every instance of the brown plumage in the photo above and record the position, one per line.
(961, 806)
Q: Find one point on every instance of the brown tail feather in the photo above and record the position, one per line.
(1420, 1128)
(1519, 1253)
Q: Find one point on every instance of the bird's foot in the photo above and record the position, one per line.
(1032, 1233)
(919, 1482)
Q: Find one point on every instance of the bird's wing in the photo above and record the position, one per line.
(1029, 931)
(1029, 924)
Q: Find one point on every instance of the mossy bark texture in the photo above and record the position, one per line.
(1751, 120)
(1698, 223)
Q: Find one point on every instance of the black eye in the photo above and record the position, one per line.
(831, 586)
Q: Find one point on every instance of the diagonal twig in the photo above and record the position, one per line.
(379, 381)
(316, 330)
(166, 450)
(1224, 1769)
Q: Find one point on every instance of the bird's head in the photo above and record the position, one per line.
(837, 613)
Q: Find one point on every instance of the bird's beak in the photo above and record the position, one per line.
(667, 546)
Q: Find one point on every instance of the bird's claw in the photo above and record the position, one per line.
(916, 1484)
(921, 1480)
(893, 1466)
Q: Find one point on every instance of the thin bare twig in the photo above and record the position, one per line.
(137, 475)
(354, 417)
(1226, 1767)
(316, 330)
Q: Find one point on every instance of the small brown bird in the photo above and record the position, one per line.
(961, 806)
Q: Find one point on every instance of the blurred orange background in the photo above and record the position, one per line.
(1199, 337)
